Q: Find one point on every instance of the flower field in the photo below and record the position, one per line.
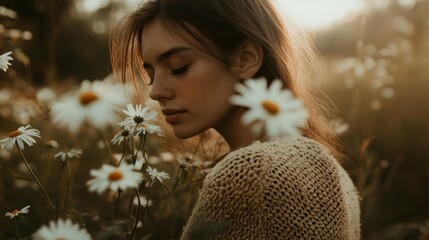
(81, 159)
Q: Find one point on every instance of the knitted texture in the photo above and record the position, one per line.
(282, 189)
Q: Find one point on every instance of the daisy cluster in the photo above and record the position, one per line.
(139, 122)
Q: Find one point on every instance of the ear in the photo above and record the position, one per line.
(249, 57)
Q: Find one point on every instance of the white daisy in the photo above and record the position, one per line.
(142, 128)
(63, 155)
(139, 114)
(154, 174)
(143, 117)
(4, 61)
(121, 136)
(114, 178)
(149, 128)
(272, 108)
(20, 136)
(62, 229)
(95, 103)
(17, 212)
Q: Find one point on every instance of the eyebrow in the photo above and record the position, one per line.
(168, 54)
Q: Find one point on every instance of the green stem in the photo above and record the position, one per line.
(16, 228)
(35, 178)
(130, 207)
(67, 193)
(45, 157)
(123, 152)
(117, 203)
(147, 201)
(137, 214)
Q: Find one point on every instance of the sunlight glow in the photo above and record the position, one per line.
(317, 14)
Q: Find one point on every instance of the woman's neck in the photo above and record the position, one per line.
(235, 133)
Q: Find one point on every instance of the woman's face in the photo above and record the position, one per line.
(192, 87)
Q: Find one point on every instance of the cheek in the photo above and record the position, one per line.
(208, 87)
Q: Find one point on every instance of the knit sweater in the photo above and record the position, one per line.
(286, 188)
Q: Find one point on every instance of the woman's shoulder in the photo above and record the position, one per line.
(287, 150)
(291, 159)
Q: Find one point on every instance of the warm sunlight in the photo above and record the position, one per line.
(315, 14)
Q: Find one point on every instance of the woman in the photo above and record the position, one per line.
(193, 53)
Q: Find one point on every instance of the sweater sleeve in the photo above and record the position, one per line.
(286, 190)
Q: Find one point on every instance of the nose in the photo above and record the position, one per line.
(161, 90)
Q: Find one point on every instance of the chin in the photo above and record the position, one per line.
(184, 134)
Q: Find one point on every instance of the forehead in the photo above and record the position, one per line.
(157, 38)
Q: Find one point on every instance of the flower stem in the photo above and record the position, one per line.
(136, 192)
(35, 178)
(123, 152)
(117, 203)
(107, 147)
(45, 159)
(16, 229)
(67, 193)
(130, 207)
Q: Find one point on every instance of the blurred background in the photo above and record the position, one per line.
(376, 54)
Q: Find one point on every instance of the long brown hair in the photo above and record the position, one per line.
(223, 24)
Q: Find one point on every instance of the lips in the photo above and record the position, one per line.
(172, 116)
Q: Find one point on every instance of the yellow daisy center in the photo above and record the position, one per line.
(15, 134)
(271, 107)
(115, 176)
(14, 212)
(87, 98)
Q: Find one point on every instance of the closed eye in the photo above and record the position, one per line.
(180, 70)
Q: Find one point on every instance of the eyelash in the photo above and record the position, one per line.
(180, 70)
(177, 71)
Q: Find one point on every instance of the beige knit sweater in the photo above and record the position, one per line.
(282, 189)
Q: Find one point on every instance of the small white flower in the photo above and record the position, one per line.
(143, 118)
(95, 103)
(16, 212)
(20, 136)
(63, 155)
(46, 96)
(121, 136)
(4, 61)
(146, 127)
(139, 114)
(149, 128)
(62, 229)
(143, 201)
(272, 108)
(114, 178)
(154, 174)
